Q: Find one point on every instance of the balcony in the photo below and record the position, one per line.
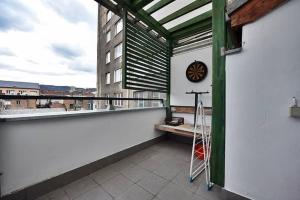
(96, 155)
(159, 171)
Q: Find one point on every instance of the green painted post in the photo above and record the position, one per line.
(218, 95)
(170, 50)
(124, 52)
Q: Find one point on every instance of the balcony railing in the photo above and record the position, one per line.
(110, 100)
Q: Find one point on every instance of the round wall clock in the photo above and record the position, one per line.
(196, 71)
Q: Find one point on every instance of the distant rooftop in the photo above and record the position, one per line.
(15, 84)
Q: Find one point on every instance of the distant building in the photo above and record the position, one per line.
(19, 88)
(109, 61)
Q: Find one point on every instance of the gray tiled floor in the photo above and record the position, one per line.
(159, 172)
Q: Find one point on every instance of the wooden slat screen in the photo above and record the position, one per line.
(146, 60)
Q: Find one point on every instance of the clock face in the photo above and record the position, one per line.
(196, 71)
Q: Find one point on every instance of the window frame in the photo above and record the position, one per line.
(116, 26)
(116, 56)
(107, 78)
(107, 57)
(108, 33)
(109, 15)
(120, 75)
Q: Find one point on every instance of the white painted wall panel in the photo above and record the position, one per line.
(34, 150)
(262, 141)
(180, 84)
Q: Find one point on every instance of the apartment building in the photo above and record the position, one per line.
(109, 63)
(19, 88)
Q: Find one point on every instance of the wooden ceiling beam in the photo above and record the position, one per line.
(203, 17)
(158, 6)
(191, 7)
(139, 4)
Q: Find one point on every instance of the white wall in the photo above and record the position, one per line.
(34, 150)
(180, 84)
(262, 141)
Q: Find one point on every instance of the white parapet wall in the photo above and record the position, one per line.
(34, 150)
(262, 141)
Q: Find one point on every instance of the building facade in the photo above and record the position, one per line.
(19, 88)
(109, 64)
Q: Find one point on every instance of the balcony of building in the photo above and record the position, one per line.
(121, 154)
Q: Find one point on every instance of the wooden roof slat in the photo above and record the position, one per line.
(191, 7)
(139, 4)
(144, 17)
(158, 6)
(200, 18)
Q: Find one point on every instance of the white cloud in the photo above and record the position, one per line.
(56, 50)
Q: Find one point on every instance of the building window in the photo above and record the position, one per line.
(118, 50)
(107, 101)
(108, 15)
(18, 102)
(118, 75)
(119, 26)
(139, 103)
(107, 57)
(108, 36)
(118, 102)
(11, 92)
(155, 96)
(107, 78)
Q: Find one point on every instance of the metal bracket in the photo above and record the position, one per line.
(225, 51)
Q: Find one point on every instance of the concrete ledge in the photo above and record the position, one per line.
(36, 116)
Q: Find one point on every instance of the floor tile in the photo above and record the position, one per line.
(135, 173)
(215, 193)
(150, 164)
(135, 193)
(117, 185)
(121, 165)
(183, 180)
(152, 183)
(167, 171)
(79, 187)
(95, 194)
(58, 194)
(44, 197)
(173, 192)
(139, 157)
(104, 174)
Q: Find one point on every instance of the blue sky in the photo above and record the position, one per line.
(49, 41)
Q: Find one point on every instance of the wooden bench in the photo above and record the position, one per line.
(185, 130)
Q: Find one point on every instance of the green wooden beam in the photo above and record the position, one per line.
(193, 29)
(109, 5)
(144, 17)
(218, 93)
(158, 6)
(203, 17)
(139, 4)
(124, 49)
(192, 6)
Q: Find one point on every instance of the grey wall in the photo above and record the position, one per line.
(32, 151)
(262, 141)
